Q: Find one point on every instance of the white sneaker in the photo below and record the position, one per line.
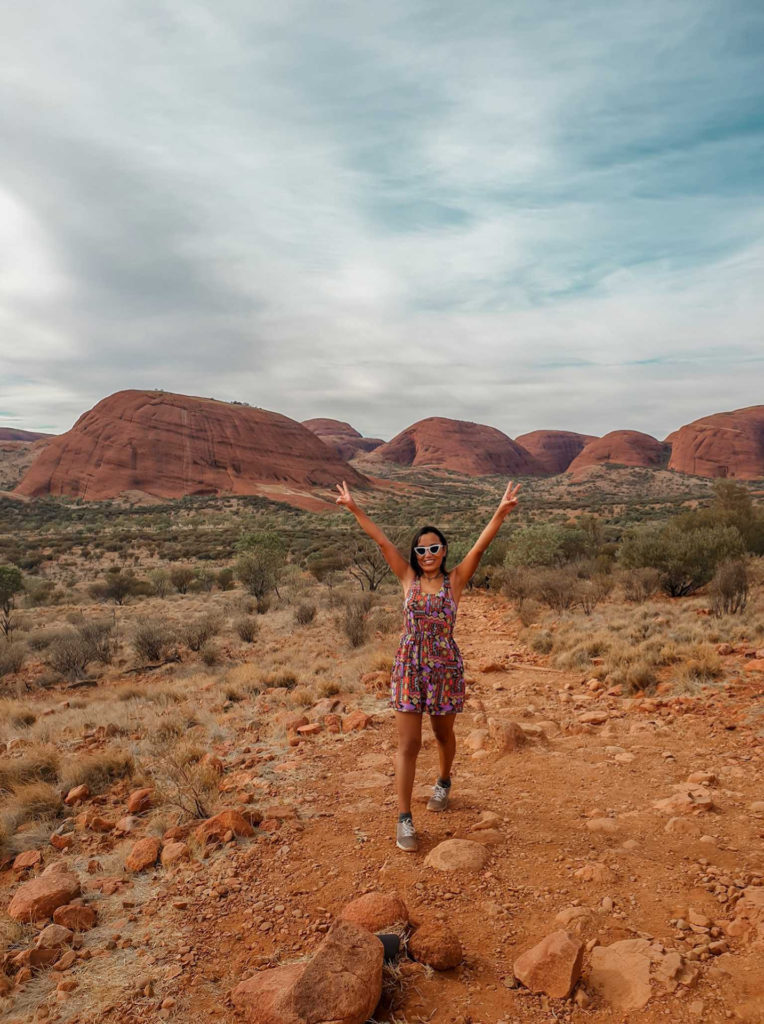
(406, 838)
(439, 799)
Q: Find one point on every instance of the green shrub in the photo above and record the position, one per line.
(225, 579)
(151, 639)
(729, 588)
(640, 584)
(247, 628)
(197, 633)
(97, 636)
(160, 582)
(181, 577)
(685, 559)
(546, 544)
(12, 657)
(69, 654)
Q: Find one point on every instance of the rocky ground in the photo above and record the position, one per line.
(632, 825)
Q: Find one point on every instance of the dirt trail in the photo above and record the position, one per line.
(197, 932)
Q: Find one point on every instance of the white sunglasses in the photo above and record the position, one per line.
(433, 549)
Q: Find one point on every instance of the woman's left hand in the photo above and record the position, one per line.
(509, 500)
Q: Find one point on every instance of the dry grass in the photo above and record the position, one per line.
(29, 803)
(38, 763)
(16, 714)
(97, 771)
(302, 697)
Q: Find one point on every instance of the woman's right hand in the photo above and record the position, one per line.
(344, 496)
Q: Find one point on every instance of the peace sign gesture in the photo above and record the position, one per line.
(509, 499)
(344, 496)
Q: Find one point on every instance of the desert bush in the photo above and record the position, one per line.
(39, 763)
(160, 582)
(546, 544)
(225, 578)
(541, 641)
(246, 677)
(151, 639)
(640, 584)
(685, 559)
(640, 677)
(198, 633)
(354, 622)
(529, 611)
(40, 639)
(185, 780)
(30, 802)
(97, 771)
(283, 678)
(302, 697)
(327, 688)
(589, 593)
(729, 588)
(68, 654)
(11, 584)
(304, 613)
(246, 628)
(39, 591)
(203, 581)
(211, 654)
(118, 586)
(12, 657)
(557, 588)
(97, 635)
(263, 604)
(518, 584)
(16, 714)
(261, 562)
(181, 577)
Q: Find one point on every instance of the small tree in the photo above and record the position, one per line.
(729, 588)
(11, 583)
(181, 577)
(686, 559)
(261, 562)
(367, 565)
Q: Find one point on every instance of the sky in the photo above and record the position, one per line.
(534, 216)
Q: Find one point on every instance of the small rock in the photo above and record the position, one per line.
(78, 918)
(26, 860)
(356, 721)
(76, 795)
(435, 945)
(139, 801)
(144, 854)
(620, 973)
(552, 966)
(53, 936)
(457, 855)
(39, 897)
(603, 826)
(173, 852)
(376, 911)
(216, 828)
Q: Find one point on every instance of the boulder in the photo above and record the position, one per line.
(26, 860)
(174, 852)
(76, 917)
(434, 944)
(139, 801)
(457, 855)
(341, 984)
(53, 936)
(620, 973)
(356, 721)
(552, 966)
(216, 829)
(77, 795)
(39, 897)
(376, 911)
(144, 854)
(507, 736)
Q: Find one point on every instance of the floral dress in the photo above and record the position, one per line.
(428, 674)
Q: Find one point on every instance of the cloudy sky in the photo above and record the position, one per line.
(545, 215)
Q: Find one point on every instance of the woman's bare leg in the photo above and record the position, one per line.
(409, 726)
(443, 728)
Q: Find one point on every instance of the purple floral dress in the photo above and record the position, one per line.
(428, 674)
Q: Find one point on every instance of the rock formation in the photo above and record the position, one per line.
(170, 445)
(470, 448)
(13, 434)
(724, 444)
(623, 448)
(343, 439)
(554, 450)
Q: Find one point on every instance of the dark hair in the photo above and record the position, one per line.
(413, 562)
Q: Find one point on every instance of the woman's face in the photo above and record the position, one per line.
(428, 562)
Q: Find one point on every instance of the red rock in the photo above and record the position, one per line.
(376, 911)
(434, 944)
(755, 665)
(622, 448)
(552, 966)
(309, 730)
(333, 723)
(171, 445)
(39, 897)
(16, 434)
(53, 936)
(26, 860)
(139, 801)
(144, 854)
(214, 763)
(554, 450)
(343, 439)
(42, 957)
(292, 722)
(76, 917)
(174, 852)
(724, 444)
(470, 448)
(356, 721)
(61, 842)
(98, 824)
(77, 795)
(342, 983)
(508, 736)
(66, 961)
(129, 823)
(216, 829)
(457, 855)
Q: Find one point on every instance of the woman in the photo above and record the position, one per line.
(428, 674)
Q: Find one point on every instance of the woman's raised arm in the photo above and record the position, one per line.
(391, 554)
(464, 571)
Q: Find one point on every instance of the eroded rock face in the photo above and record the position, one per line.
(470, 448)
(341, 984)
(39, 897)
(725, 444)
(554, 450)
(169, 445)
(623, 448)
(344, 440)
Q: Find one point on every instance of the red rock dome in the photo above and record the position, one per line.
(14, 434)
(723, 444)
(623, 448)
(554, 450)
(343, 439)
(470, 448)
(169, 445)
